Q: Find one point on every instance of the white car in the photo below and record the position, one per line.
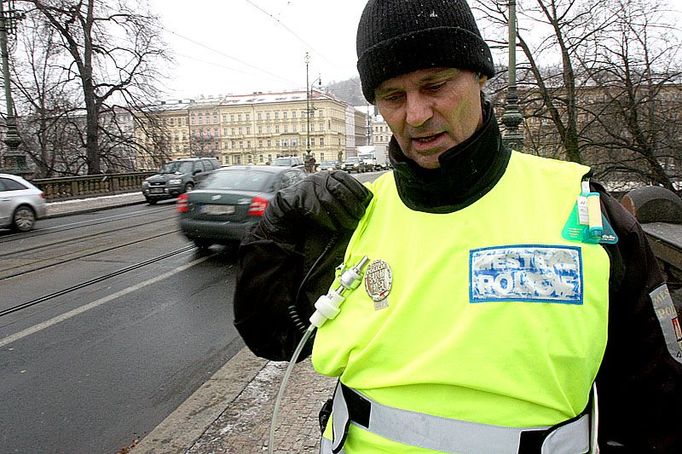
(21, 203)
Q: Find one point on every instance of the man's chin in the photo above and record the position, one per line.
(427, 161)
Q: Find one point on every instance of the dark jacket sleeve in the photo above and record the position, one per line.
(288, 260)
(639, 383)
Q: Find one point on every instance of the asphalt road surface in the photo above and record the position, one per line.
(108, 321)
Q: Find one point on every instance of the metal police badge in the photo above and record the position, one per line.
(378, 281)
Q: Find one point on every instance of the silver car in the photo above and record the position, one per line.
(21, 203)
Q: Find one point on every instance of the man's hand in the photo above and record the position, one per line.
(331, 201)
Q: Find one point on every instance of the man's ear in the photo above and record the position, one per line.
(482, 79)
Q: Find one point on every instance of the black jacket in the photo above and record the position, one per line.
(639, 383)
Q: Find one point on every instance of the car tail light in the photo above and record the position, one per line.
(42, 195)
(258, 205)
(182, 204)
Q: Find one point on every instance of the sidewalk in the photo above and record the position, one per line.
(55, 209)
(232, 411)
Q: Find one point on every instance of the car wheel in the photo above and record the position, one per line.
(202, 244)
(23, 219)
(189, 187)
(152, 201)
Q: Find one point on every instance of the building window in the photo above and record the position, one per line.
(322, 141)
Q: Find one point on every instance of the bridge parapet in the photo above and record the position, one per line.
(69, 188)
(659, 211)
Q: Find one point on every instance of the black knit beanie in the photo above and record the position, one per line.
(396, 37)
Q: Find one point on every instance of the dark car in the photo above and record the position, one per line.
(177, 177)
(288, 161)
(230, 200)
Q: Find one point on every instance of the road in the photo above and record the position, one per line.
(108, 321)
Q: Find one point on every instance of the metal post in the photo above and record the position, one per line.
(512, 117)
(307, 110)
(15, 160)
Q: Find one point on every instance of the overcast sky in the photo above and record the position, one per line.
(240, 46)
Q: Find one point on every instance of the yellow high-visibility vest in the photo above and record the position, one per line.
(488, 315)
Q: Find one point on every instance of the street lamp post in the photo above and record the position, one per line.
(309, 164)
(15, 160)
(512, 117)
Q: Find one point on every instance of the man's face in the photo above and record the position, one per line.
(431, 110)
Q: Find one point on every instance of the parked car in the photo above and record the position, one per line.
(177, 177)
(21, 203)
(330, 165)
(352, 164)
(223, 206)
(288, 161)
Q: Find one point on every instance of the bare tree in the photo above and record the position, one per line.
(113, 49)
(45, 100)
(634, 107)
(599, 83)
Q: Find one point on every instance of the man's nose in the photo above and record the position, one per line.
(419, 109)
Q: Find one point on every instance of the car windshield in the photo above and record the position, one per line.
(241, 180)
(286, 162)
(177, 166)
(352, 160)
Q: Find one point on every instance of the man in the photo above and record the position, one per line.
(500, 310)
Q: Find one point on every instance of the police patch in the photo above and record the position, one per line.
(547, 274)
(378, 282)
(670, 323)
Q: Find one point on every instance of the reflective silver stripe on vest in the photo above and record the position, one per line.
(452, 435)
(326, 447)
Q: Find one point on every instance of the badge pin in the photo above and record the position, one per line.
(378, 282)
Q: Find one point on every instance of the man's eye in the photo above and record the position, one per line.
(434, 87)
(393, 97)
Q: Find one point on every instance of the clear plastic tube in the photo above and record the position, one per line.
(283, 385)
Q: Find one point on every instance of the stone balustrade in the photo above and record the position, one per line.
(68, 188)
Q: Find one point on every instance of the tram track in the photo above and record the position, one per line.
(72, 288)
(62, 242)
(48, 262)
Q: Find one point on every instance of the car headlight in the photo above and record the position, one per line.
(145, 184)
(174, 181)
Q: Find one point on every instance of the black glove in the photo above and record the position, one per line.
(288, 260)
(331, 201)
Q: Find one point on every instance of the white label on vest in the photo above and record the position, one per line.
(548, 274)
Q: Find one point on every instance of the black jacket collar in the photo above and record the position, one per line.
(467, 171)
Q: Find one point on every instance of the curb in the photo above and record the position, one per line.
(182, 428)
(69, 207)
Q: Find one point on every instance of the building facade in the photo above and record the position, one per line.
(254, 128)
